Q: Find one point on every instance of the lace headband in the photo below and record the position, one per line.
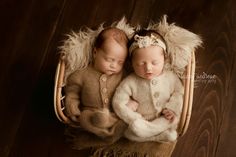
(146, 41)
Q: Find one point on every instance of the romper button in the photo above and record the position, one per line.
(156, 94)
(154, 82)
(103, 78)
(104, 90)
(106, 100)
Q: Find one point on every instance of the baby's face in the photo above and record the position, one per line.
(110, 58)
(148, 62)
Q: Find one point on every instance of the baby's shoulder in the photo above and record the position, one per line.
(130, 78)
(171, 74)
(172, 78)
(77, 75)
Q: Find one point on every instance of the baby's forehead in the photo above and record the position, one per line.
(116, 34)
(113, 32)
(110, 43)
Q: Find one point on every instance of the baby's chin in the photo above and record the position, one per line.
(148, 76)
(110, 72)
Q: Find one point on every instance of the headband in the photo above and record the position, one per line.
(146, 41)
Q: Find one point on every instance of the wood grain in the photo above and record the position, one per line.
(212, 98)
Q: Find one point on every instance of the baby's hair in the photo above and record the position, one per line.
(145, 32)
(111, 32)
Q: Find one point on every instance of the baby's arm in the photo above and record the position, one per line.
(121, 100)
(72, 97)
(173, 108)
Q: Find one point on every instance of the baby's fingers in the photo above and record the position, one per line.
(75, 118)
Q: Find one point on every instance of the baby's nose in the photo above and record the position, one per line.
(113, 65)
(148, 67)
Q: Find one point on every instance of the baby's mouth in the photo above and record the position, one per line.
(148, 74)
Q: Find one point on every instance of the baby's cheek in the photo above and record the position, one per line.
(106, 65)
(119, 68)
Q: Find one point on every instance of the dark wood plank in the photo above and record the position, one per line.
(228, 130)
(27, 31)
(212, 98)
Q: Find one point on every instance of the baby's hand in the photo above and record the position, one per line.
(103, 119)
(74, 118)
(168, 114)
(132, 104)
(73, 112)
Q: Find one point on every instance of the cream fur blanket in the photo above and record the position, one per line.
(77, 47)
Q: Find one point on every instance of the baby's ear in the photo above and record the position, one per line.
(94, 52)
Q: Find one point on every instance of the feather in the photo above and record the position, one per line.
(123, 25)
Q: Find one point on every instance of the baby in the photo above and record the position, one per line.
(157, 90)
(89, 91)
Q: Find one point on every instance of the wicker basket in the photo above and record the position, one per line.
(188, 80)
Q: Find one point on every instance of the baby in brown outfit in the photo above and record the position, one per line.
(89, 91)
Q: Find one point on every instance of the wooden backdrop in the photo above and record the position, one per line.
(31, 31)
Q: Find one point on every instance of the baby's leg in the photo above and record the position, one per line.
(143, 128)
(129, 134)
(87, 123)
(166, 136)
(169, 135)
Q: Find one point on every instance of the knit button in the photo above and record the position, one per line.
(106, 100)
(154, 82)
(103, 78)
(104, 90)
(156, 94)
(158, 104)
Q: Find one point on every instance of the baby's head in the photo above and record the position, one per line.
(110, 51)
(147, 50)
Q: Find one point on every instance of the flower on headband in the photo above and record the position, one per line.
(146, 41)
(143, 41)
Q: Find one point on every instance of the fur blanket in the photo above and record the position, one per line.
(181, 43)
